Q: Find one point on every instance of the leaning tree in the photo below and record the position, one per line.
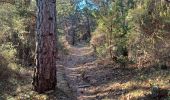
(44, 78)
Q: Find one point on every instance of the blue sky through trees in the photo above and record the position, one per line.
(86, 4)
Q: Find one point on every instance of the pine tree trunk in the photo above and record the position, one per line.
(44, 78)
(87, 34)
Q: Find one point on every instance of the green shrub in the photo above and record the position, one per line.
(8, 51)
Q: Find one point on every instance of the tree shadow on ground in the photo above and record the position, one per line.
(10, 81)
(18, 86)
(111, 82)
(58, 94)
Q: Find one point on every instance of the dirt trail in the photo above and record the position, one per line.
(88, 77)
(77, 57)
(75, 61)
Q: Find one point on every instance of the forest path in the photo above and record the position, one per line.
(91, 78)
(78, 56)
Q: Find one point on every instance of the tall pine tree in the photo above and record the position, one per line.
(45, 72)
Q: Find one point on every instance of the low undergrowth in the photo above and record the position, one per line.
(15, 84)
(110, 82)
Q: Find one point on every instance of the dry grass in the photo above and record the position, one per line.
(114, 83)
(15, 84)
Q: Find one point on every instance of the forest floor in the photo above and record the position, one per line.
(15, 84)
(83, 76)
(92, 78)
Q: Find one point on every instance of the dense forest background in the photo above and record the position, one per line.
(125, 35)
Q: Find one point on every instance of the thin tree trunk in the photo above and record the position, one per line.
(87, 34)
(88, 27)
(44, 78)
(113, 57)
